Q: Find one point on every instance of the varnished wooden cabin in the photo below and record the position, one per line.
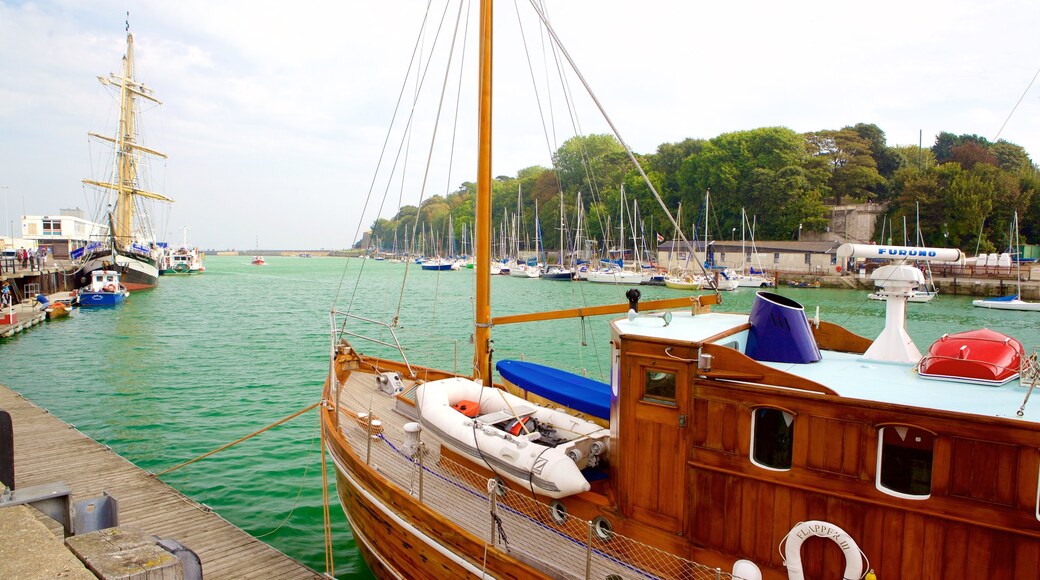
(726, 455)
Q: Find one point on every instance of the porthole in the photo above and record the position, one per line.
(602, 529)
(558, 512)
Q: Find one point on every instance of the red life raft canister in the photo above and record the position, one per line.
(975, 356)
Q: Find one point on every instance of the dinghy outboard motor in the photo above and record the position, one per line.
(780, 331)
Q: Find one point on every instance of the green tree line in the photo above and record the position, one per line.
(964, 188)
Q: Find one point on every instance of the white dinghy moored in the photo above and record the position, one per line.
(532, 446)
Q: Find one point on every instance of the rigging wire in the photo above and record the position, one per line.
(382, 153)
(1013, 109)
(606, 117)
(420, 82)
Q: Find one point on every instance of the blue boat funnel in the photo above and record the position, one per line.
(780, 331)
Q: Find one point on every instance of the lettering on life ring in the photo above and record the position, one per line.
(805, 530)
(110, 288)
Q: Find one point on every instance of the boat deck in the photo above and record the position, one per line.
(48, 450)
(459, 491)
(851, 375)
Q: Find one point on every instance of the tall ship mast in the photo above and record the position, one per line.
(127, 246)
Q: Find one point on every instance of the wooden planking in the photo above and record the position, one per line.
(900, 544)
(49, 450)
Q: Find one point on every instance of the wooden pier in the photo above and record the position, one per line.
(25, 316)
(49, 450)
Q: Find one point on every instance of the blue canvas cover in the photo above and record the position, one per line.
(1011, 298)
(568, 389)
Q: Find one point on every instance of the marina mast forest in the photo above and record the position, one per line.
(961, 192)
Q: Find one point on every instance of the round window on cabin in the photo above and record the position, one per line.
(772, 440)
(905, 461)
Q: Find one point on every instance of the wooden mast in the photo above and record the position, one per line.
(127, 168)
(482, 335)
(124, 182)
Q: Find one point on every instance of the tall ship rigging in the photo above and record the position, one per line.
(128, 244)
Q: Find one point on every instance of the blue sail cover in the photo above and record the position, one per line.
(1011, 298)
(568, 389)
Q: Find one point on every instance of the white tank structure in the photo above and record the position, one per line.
(897, 282)
(536, 447)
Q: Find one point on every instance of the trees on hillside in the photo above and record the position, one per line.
(784, 178)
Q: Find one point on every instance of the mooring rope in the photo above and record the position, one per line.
(299, 492)
(330, 566)
(237, 441)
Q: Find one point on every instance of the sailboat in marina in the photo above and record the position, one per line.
(1013, 301)
(726, 445)
(749, 276)
(129, 246)
(560, 271)
(616, 272)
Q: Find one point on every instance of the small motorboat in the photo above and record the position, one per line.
(104, 290)
(57, 310)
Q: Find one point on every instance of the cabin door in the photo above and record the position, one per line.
(658, 395)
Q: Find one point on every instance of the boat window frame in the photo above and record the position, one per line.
(1038, 493)
(655, 400)
(880, 452)
(751, 442)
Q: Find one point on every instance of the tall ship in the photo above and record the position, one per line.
(764, 444)
(128, 244)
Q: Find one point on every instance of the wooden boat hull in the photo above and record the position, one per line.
(399, 536)
(58, 310)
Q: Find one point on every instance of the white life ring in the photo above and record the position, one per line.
(803, 530)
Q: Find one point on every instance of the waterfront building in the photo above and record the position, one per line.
(62, 233)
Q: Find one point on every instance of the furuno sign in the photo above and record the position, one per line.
(875, 252)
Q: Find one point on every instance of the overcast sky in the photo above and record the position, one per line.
(274, 113)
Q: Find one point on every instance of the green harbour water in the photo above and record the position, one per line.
(203, 360)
